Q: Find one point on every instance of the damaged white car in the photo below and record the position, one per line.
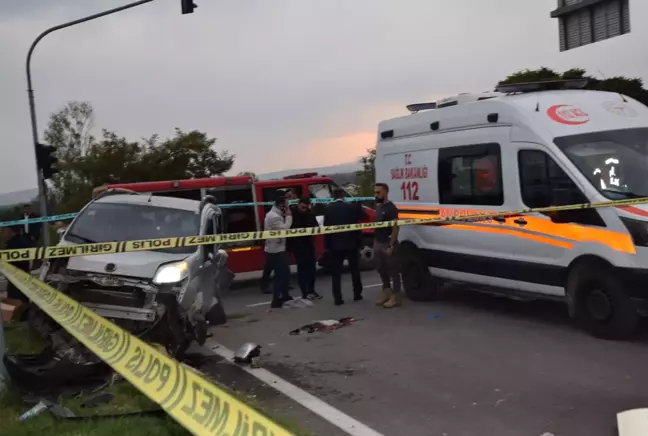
(165, 296)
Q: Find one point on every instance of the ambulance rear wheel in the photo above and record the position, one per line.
(418, 282)
(600, 306)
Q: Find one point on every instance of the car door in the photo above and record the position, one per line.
(471, 171)
(544, 242)
(202, 290)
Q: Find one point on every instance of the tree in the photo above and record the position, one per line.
(86, 162)
(632, 87)
(69, 129)
(367, 175)
(249, 174)
(185, 156)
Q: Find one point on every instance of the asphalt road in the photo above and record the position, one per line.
(468, 365)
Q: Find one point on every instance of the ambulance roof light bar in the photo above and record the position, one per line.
(549, 85)
(415, 107)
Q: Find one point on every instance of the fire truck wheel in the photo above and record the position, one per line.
(419, 284)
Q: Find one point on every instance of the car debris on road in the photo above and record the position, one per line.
(324, 326)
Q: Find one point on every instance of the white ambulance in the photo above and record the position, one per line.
(526, 146)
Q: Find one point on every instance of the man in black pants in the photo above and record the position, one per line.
(344, 245)
(266, 277)
(303, 249)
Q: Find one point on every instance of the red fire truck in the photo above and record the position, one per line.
(249, 256)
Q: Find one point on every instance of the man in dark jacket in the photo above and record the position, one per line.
(344, 245)
(303, 249)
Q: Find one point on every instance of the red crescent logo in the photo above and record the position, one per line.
(567, 114)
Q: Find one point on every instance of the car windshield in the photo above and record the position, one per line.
(615, 161)
(116, 222)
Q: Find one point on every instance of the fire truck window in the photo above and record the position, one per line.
(188, 194)
(235, 218)
(269, 194)
(471, 175)
(322, 190)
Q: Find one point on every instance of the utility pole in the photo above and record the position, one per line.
(187, 8)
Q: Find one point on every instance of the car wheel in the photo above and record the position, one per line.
(599, 305)
(419, 284)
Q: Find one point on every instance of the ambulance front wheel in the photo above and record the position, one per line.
(419, 284)
(598, 303)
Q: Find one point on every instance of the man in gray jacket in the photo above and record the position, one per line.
(278, 218)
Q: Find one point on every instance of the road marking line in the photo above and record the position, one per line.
(265, 303)
(312, 403)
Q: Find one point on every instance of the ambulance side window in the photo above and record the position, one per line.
(471, 175)
(543, 183)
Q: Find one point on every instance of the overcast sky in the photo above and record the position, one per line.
(280, 83)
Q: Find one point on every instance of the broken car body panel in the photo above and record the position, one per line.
(165, 294)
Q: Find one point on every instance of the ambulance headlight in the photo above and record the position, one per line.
(638, 231)
(171, 273)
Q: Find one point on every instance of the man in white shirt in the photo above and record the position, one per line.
(278, 218)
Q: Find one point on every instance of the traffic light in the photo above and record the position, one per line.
(46, 160)
(188, 6)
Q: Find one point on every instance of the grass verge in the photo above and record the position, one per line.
(126, 399)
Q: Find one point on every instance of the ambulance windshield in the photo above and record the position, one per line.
(615, 161)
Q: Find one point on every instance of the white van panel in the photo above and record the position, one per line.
(411, 175)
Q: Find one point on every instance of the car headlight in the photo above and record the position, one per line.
(171, 273)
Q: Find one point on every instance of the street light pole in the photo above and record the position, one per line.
(42, 186)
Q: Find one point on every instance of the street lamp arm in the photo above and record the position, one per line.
(73, 23)
(42, 187)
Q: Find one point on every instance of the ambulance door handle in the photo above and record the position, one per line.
(500, 219)
(520, 221)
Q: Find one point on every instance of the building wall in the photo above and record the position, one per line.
(593, 22)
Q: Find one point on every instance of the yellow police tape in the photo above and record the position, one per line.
(197, 404)
(55, 252)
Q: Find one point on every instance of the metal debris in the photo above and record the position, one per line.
(324, 326)
(247, 352)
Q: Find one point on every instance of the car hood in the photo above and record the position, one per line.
(138, 264)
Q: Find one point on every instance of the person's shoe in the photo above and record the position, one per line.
(286, 298)
(358, 297)
(385, 295)
(313, 296)
(276, 304)
(339, 302)
(394, 301)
